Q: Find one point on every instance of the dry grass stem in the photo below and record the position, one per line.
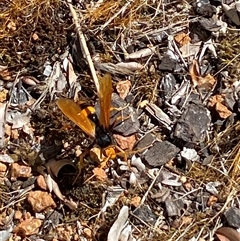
(84, 45)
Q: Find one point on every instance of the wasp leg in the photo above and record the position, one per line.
(81, 164)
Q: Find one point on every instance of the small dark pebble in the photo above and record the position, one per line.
(232, 216)
(160, 153)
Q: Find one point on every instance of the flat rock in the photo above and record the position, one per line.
(160, 153)
(40, 200)
(193, 124)
(28, 227)
(145, 213)
(232, 216)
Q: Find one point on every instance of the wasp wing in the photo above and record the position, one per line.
(105, 97)
(76, 115)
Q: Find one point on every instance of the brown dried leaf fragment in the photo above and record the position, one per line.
(14, 134)
(135, 201)
(194, 72)
(222, 110)
(7, 129)
(30, 80)
(186, 220)
(182, 39)
(216, 102)
(99, 173)
(227, 234)
(6, 75)
(18, 215)
(3, 95)
(211, 200)
(215, 99)
(123, 88)
(96, 155)
(206, 82)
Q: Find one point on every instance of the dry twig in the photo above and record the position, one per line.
(84, 45)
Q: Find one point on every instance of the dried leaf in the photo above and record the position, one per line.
(126, 233)
(6, 75)
(123, 88)
(189, 49)
(14, 134)
(222, 237)
(3, 95)
(212, 200)
(206, 82)
(216, 102)
(49, 182)
(54, 166)
(182, 39)
(185, 220)
(118, 225)
(3, 168)
(71, 204)
(28, 129)
(56, 189)
(113, 68)
(194, 72)
(19, 121)
(142, 53)
(65, 64)
(95, 155)
(222, 110)
(215, 99)
(135, 201)
(99, 173)
(227, 234)
(133, 66)
(72, 77)
(29, 80)
(159, 114)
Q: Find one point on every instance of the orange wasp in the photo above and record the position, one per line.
(93, 127)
